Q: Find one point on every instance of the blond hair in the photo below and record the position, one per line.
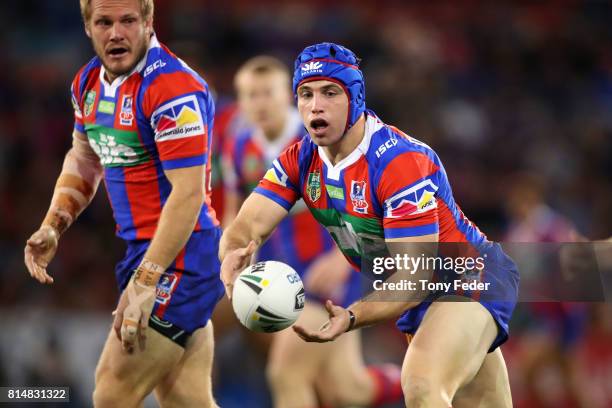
(146, 9)
(262, 64)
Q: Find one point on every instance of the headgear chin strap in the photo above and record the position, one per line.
(333, 62)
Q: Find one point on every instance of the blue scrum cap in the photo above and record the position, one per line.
(334, 63)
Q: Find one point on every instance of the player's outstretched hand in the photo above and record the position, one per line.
(233, 263)
(132, 315)
(337, 324)
(39, 251)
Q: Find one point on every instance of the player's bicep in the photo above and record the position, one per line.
(82, 148)
(188, 180)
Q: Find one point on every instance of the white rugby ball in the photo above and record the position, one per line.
(268, 296)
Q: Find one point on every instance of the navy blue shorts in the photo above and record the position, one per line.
(500, 299)
(191, 286)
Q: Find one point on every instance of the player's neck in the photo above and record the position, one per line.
(348, 143)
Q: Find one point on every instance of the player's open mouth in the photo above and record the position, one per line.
(319, 126)
(117, 52)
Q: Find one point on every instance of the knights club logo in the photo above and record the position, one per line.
(313, 187)
(358, 196)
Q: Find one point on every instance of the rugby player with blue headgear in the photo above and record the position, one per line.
(384, 195)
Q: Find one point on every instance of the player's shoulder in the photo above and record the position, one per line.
(163, 71)
(84, 75)
(391, 147)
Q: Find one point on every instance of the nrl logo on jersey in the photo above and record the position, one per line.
(358, 196)
(313, 186)
(90, 99)
(312, 67)
(416, 199)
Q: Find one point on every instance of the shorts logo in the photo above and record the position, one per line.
(313, 187)
(165, 287)
(312, 67)
(417, 199)
(178, 119)
(358, 196)
(90, 99)
(126, 116)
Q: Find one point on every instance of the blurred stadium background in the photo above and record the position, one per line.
(515, 97)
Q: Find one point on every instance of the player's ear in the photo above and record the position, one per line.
(149, 26)
(87, 29)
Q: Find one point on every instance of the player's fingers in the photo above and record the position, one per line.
(330, 307)
(308, 335)
(128, 334)
(301, 332)
(251, 248)
(142, 334)
(229, 287)
(247, 251)
(29, 262)
(117, 323)
(38, 272)
(42, 273)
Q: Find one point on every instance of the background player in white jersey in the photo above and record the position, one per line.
(142, 120)
(395, 198)
(300, 374)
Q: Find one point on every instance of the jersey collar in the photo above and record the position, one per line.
(372, 125)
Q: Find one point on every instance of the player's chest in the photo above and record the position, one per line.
(251, 162)
(346, 190)
(109, 116)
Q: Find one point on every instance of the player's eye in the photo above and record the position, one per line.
(102, 22)
(129, 20)
(305, 94)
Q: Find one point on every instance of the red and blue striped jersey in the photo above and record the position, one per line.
(390, 186)
(155, 118)
(298, 239)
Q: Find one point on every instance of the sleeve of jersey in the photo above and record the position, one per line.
(281, 180)
(407, 190)
(179, 107)
(78, 115)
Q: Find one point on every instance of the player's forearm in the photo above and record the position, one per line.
(175, 226)
(237, 235)
(255, 221)
(386, 304)
(75, 188)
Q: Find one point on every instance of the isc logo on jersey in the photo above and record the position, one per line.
(178, 119)
(416, 199)
(386, 146)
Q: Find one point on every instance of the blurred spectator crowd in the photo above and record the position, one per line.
(514, 97)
